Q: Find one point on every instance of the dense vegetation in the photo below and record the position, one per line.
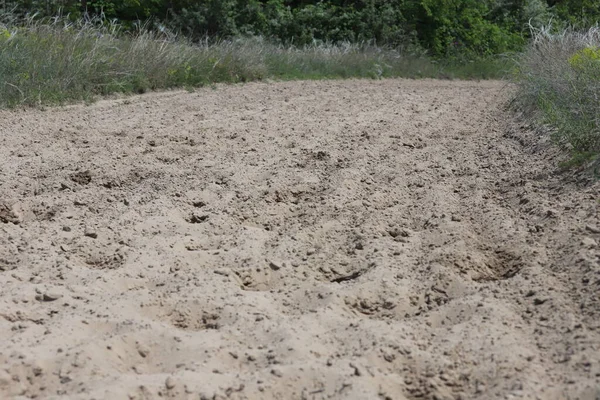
(559, 85)
(42, 63)
(443, 27)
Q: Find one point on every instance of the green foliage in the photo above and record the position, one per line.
(463, 27)
(578, 13)
(443, 27)
(586, 60)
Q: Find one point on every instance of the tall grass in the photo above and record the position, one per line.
(559, 85)
(56, 61)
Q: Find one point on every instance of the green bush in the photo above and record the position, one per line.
(444, 27)
(578, 13)
(462, 27)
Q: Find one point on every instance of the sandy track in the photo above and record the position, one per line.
(324, 240)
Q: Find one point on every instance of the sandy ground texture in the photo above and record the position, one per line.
(308, 240)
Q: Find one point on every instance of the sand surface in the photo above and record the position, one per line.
(308, 240)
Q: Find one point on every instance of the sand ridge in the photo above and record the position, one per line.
(357, 239)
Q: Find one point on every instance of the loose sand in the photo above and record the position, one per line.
(308, 240)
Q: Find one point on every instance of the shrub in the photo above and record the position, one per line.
(586, 59)
(559, 85)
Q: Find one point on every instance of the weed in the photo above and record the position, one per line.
(578, 159)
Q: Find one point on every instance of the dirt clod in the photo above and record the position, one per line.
(90, 232)
(50, 296)
(82, 177)
(195, 218)
(592, 228)
(7, 215)
(275, 265)
(170, 383)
